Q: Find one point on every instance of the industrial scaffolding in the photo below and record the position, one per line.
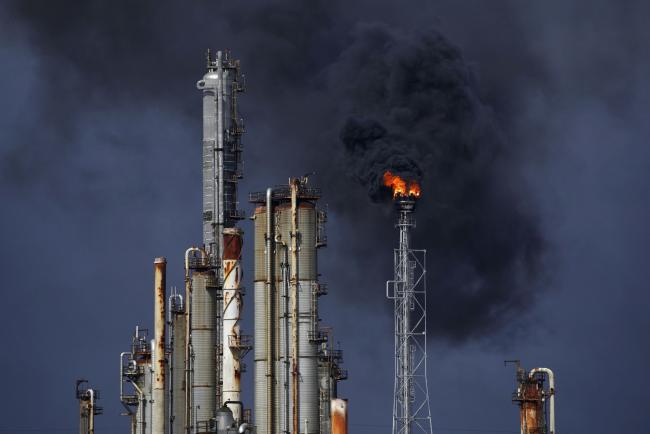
(408, 290)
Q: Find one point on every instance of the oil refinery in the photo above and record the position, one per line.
(185, 375)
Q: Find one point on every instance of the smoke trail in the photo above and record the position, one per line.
(414, 108)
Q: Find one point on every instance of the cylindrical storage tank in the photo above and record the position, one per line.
(232, 303)
(143, 413)
(282, 225)
(339, 416)
(307, 260)
(265, 385)
(259, 352)
(178, 373)
(308, 387)
(204, 338)
(309, 399)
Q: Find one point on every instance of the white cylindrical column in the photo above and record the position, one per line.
(232, 304)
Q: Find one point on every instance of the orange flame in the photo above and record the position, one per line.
(400, 186)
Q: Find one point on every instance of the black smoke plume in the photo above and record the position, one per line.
(413, 108)
(404, 102)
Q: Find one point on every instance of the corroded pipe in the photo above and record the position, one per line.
(159, 380)
(295, 368)
(551, 393)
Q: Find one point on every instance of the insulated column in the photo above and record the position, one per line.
(232, 304)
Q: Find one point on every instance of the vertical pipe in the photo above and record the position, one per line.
(187, 371)
(218, 259)
(188, 342)
(551, 393)
(270, 311)
(177, 368)
(91, 412)
(220, 149)
(160, 366)
(339, 416)
(232, 303)
(285, 292)
(295, 369)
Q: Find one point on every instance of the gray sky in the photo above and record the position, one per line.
(100, 172)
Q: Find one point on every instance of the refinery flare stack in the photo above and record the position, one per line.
(187, 379)
(408, 291)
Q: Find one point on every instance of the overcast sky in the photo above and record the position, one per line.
(526, 122)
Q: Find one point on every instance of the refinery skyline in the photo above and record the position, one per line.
(528, 158)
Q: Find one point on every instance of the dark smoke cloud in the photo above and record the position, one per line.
(412, 107)
(405, 102)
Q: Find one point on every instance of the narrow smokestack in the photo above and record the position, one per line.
(158, 394)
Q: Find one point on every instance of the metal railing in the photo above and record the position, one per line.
(318, 336)
(240, 341)
(284, 192)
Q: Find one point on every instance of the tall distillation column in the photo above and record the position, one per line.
(411, 412)
(222, 130)
(288, 233)
(236, 345)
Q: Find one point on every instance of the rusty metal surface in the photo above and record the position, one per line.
(532, 409)
(285, 274)
(159, 381)
(339, 416)
(232, 305)
(530, 397)
(232, 243)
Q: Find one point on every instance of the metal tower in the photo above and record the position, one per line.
(216, 301)
(87, 407)
(411, 412)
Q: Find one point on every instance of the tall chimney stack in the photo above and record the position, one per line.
(159, 383)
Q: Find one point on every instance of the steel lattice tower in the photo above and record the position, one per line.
(411, 412)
